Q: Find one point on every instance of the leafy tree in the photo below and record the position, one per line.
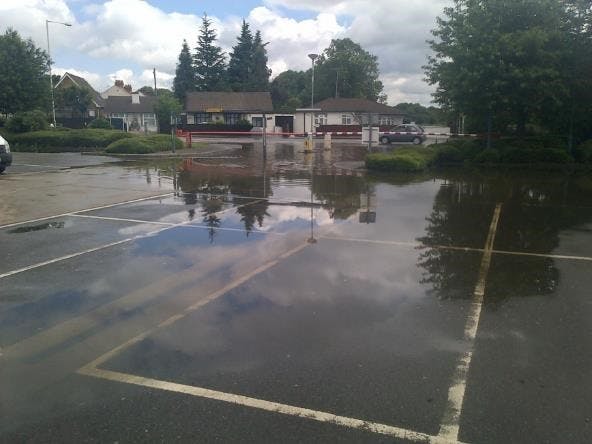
(288, 89)
(498, 61)
(358, 72)
(209, 61)
(166, 105)
(240, 65)
(422, 115)
(184, 80)
(24, 84)
(76, 98)
(23, 122)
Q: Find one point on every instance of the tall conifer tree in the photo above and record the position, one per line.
(184, 81)
(209, 61)
(240, 64)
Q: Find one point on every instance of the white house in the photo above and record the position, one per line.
(117, 90)
(345, 114)
(132, 113)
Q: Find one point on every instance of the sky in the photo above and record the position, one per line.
(126, 39)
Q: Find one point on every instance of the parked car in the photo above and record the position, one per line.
(404, 133)
(5, 154)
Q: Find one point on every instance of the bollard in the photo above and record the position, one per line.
(327, 141)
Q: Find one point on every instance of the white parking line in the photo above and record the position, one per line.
(91, 369)
(85, 210)
(456, 248)
(275, 407)
(449, 428)
(121, 219)
(102, 247)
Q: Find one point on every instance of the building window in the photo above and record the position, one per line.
(190, 119)
(232, 118)
(346, 119)
(388, 120)
(320, 119)
(202, 117)
(117, 115)
(149, 119)
(257, 122)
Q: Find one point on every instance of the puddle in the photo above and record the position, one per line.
(40, 227)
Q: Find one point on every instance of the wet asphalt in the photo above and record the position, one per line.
(311, 287)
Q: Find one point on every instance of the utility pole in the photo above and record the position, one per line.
(154, 74)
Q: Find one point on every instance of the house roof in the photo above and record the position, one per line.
(343, 104)
(115, 90)
(123, 104)
(202, 101)
(81, 82)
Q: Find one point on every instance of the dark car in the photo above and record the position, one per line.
(404, 133)
(5, 154)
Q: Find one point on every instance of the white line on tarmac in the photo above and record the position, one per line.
(450, 426)
(91, 369)
(453, 247)
(85, 210)
(120, 219)
(63, 258)
(35, 165)
(275, 407)
(102, 247)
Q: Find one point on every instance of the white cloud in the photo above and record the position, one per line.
(137, 31)
(291, 40)
(126, 33)
(28, 18)
(96, 80)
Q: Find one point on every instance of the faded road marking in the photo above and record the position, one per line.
(449, 429)
(102, 247)
(275, 407)
(85, 210)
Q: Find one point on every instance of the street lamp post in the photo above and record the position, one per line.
(312, 57)
(47, 22)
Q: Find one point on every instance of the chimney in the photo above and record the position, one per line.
(128, 88)
(136, 99)
(119, 83)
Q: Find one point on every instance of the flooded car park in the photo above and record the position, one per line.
(285, 297)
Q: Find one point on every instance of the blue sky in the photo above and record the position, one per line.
(126, 39)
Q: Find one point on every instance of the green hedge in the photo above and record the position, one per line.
(408, 160)
(584, 152)
(143, 144)
(525, 151)
(57, 140)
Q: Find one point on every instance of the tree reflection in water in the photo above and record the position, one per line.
(537, 209)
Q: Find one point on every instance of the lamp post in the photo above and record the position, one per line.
(47, 22)
(312, 57)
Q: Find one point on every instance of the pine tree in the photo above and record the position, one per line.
(240, 64)
(259, 74)
(209, 61)
(184, 81)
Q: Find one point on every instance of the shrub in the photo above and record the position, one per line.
(398, 161)
(100, 123)
(552, 155)
(488, 155)
(27, 121)
(535, 155)
(65, 140)
(134, 145)
(448, 154)
(584, 152)
(143, 144)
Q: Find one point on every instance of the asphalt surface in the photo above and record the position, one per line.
(170, 302)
